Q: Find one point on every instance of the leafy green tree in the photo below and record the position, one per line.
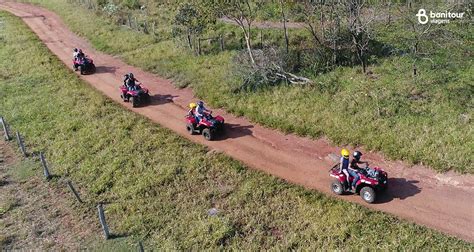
(190, 20)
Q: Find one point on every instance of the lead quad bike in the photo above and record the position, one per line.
(209, 126)
(372, 182)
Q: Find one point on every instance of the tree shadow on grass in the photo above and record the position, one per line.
(399, 188)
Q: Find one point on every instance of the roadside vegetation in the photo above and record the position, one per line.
(400, 88)
(159, 187)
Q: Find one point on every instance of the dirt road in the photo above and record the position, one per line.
(439, 201)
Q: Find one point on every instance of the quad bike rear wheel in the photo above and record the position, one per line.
(134, 101)
(206, 133)
(337, 187)
(190, 128)
(368, 194)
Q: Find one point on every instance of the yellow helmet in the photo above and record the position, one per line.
(345, 153)
(192, 105)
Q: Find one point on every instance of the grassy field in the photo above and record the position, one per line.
(160, 186)
(427, 119)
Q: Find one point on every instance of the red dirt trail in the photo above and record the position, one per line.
(416, 193)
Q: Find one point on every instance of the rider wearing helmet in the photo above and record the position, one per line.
(80, 54)
(356, 160)
(74, 54)
(201, 111)
(131, 82)
(125, 79)
(192, 107)
(344, 164)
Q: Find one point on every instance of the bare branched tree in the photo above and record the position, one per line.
(241, 12)
(359, 23)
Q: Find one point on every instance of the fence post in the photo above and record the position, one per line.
(129, 20)
(20, 143)
(69, 183)
(137, 26)
(5, 129)
(103, 223)
(199, 46)
(140, 247)
(47, 175)
(221, 38)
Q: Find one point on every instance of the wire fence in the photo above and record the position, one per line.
(48, 176)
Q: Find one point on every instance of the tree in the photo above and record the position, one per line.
(241, 12)
(190, 19)
(359, 19)
(283, 18)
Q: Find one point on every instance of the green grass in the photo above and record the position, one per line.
(425, 120)
(160, 186)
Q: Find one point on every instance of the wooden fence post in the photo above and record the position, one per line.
(20, 143)
(221, 39)
(129, 20)
(140, 247)
(5, 129)
(199, 46)
(103, 223)
(74, 191)
(47, 175)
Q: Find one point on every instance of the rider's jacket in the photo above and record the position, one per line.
(200, 110)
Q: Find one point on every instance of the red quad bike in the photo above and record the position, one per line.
(84, 65)
(136, 97)
(372, 181)
(208, 126)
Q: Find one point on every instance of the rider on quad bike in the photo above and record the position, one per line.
(368, 183)
(130, 82)
(77, 54)
(133, 91)
(201, 111)
(200, 120)
(344, 164)
(192, 109)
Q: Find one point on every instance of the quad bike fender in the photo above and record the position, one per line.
(219, 118)
(191, 120)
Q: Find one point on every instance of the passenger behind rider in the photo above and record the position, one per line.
(201, 111)
(344, 164)
(192, 110)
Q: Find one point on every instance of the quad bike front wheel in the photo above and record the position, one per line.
(206, 133)
(81, 69)
(368, 194)
(190, 128)
(337, 187)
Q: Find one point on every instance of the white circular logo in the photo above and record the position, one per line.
(422, 17)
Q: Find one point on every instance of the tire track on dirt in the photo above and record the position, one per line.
(416, 193)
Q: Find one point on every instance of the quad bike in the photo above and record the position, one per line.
(84, 65)
(137, 96)
(209, 125)
(372, 181)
